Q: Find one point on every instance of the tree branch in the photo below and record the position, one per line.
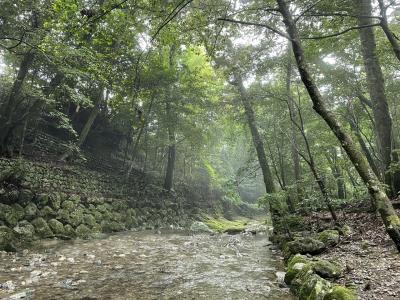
(257, 25)
(340, 32)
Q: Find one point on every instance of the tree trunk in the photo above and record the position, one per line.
(258, 144)
(389, 34)
(8, 108)
(376, 88)
(294, 145)
(169, 174)
(383, 204)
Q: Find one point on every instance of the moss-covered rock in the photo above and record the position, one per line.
(31, 211)
(340, 293)
(327, 269)
(25, 196)
(42, 200)
(63, 216)
(8, 215)
(47, 212)
(76, 217)
(83, 231)
(304, 246)
(200, 227)
(25, 230)
(68, 205)
(111, 226)
(346, 231)
(314, 288)
(55, 201)
(89, 220)
(42, 229)
(19, 211)
(69, 231)
(56, 226)
(330, 238)
(295, 265)
(7, 239)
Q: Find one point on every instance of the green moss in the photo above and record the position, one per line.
(305, 246)
(83, 232)
(42, 229)
(224, 225)
(56, 226)
(340, 293)
(329, 237)
(314, 288)
(327, 269)
(31, 211)
(295, 266)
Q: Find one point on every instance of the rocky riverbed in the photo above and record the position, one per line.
(146, 265)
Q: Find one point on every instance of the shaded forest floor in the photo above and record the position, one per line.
(371, 260)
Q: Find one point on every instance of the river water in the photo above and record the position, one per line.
(146, 265)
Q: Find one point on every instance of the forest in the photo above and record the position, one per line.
(228, 149)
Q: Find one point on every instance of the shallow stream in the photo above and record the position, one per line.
(146, 265)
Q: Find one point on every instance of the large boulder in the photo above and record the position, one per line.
(313, 287)
(8, 214)
(327, 269)
(330, 238)
(83, 231)
(47, 212)
(42, 228)
(200, 227)
(295, 264)
(340, 293)
(25, 230)
(31, 211)
(25, 196)
(57, 227)
(304, 246)
(7, 239)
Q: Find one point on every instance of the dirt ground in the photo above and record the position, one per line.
(371, 260)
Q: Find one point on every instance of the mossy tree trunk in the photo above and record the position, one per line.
(376, 89)
(384, 206)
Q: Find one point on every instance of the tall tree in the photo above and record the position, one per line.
(383, 204)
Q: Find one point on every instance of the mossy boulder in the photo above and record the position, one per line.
(97, 215)
(55, 201)
(304, 246)
(8, 214)
(42, 200)
(7, 239)
(68, 205)
(295, 265)
(340, 293)
(83, 231)
(19, 211)
(346, 231)
(69, 231)
(313, 288)
(57, 227)
(63, 216)
(327, 269)
(89, 220)
(42, 229)
(330, 238)
(75, 198)
(25, 196)
(25, 230)
(31, 211)
(200, 227)
(76, 217)
(46, 212)
(111, 226)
